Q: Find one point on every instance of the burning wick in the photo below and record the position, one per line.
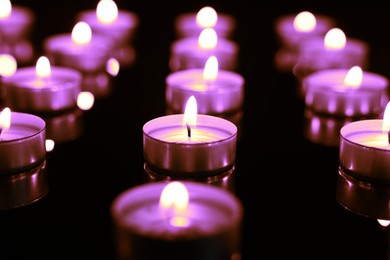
(189, 130)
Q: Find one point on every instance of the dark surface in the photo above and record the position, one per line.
(286, 183)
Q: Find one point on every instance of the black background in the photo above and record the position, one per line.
(285, 182)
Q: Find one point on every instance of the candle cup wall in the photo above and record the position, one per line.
(209, 156)
(23, 176)
(214, 228)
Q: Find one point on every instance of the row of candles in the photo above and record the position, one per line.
(188, 208)
(344, 106)
(185, 146)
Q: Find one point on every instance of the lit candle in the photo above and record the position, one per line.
(193, 52)
(189, 145)
(217, 92)
(178, 220)
(294, 29)
(192, 23)
(23, 177)
(118, 25)
(335, 97)
(334, 50)
(85, 52)
(346, 92)
(16, 23)
(8, 66)
(43, 88)
(365, 149)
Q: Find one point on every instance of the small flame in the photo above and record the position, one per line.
(208, 38)
(81, 33)
(305, 22)
(210, 71)
(49, 144)
(5, 9)
(206, 17)
(386, 118)
(5, 119)
(8, 65)
(354, 77)
(174, 203)
(112, 66)
(383, 222)
(190, 112)
(106, 11)
(335, 39)
(42, 68)
(85, 100)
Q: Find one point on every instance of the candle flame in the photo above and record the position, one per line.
(81, 33)
(5, 119)
(208, 38)
(354, 77)
(107, 11)
(85, 100)
(42, 68)
(174, 203)
(335, 39)
(5, 8)
(305, 22)
(386, 118)
(49, 145)
(190, 113)
(8, 65)
(210, 71)
(112, 66)
(206, 17)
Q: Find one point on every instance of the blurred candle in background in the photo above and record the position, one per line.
(217, 92)
(293, 29)
(190, 146)
(190, 24)
(16, 25)
(335, 97)
(193, 52)
(8, 66)
(23, 175)
(177, 220)
(334, 50)
(118, 25)
(85, 52)
(50, 92)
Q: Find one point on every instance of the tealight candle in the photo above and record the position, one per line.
(346, 92)
(189, 146)
(335, 97)
(15, 21)
(191, 24)
(365, 149)
(118, 25)
(178, 220)
(193, 52)
(81, 51)
(23, 177)
(294, 29)
(217, 92)
(334, 50)
(43, 88)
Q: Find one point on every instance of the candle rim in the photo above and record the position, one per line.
(34, 122)
(153, 125)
